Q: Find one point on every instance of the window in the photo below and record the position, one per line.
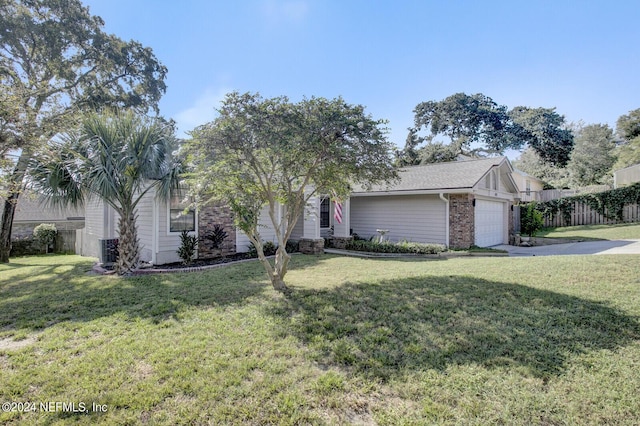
(179, 219)
(325, 208)
(491, 180)
(528, 187)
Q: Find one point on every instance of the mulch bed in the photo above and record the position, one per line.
(196, 265)
(205, 262)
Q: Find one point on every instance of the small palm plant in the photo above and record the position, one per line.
(117, 158)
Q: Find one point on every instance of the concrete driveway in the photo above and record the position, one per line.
(586, 247)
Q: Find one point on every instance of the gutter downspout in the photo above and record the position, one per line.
(446, 217)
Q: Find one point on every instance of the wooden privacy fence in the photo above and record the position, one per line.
(554, 194)
(583, 214)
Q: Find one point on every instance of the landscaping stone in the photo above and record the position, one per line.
(311, 246)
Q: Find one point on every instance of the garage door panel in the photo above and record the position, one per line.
(489, 223)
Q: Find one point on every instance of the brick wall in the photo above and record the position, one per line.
(461, 221)
(208, 217)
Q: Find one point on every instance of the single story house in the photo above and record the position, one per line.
(458, 204)
(160, 224)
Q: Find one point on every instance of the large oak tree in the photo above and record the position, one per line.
(475, 125)
(55, 61)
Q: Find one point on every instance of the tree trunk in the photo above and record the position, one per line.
(14, 190)
(7, 225)
(128, 245)
(278, 283)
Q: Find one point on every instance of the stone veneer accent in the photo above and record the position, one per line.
(340, 242)
(461, 221)
(311, 246)
(208, 217)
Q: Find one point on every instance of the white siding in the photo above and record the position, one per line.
(419, 218)
(168, 242)
(298, 230)
(144, 222)
(100, 222)
(265, 228)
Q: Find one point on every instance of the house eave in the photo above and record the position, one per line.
(413, 192)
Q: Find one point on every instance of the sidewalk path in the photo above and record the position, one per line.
(585, 247)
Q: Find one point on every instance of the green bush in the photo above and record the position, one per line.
(45, 234)
(531, 220)
(268, 248)
(293, 246)
(389, 247)
(188, 247)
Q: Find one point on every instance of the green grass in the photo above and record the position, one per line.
(542, 340)
(594, 232)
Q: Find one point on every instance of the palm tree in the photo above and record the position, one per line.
(116, 157)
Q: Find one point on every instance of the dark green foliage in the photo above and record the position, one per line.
(628, 126)
(531, 220)
(188, 247)
(477, 126)
(610, 204)
(25, 246)
(268, 247)
(216, 237)
(292, 246)
(628, 130)
(389, 247)
(543, 130)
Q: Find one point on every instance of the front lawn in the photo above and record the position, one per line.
(537, 340)
(594, 232)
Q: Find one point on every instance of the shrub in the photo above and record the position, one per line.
(389, 247)
(216, 237)
(188, 247)
(531, 220)
(268, 248)
(45, 234)
(293, 246)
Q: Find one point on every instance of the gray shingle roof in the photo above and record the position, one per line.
(451, 175)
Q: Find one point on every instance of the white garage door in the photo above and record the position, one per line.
(489, 225)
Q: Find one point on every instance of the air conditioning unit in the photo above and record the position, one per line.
(108, 251)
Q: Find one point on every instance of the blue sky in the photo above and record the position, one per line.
(581, 57)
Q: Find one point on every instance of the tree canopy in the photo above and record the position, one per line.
(272, 152)
(592, 156)
(554, 176)
(628, 129)
(56, 61)
(476, 125)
